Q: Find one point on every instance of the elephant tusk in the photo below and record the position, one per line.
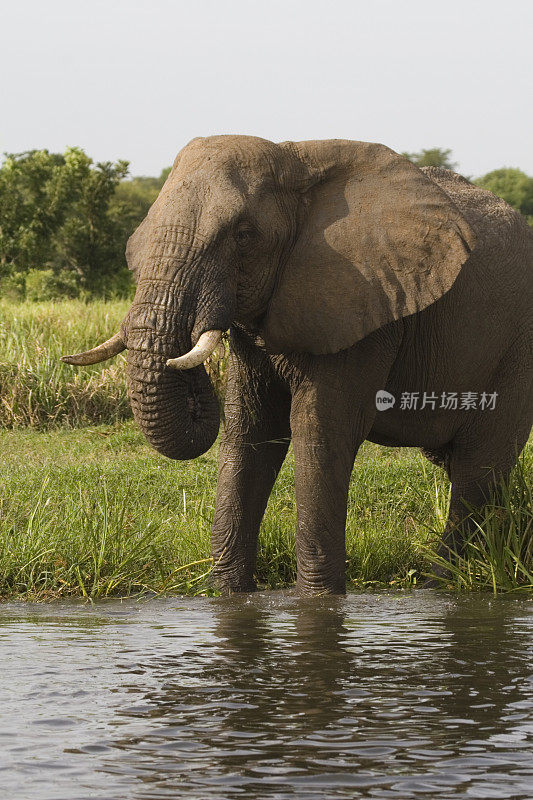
(203, 348)
(106, 350)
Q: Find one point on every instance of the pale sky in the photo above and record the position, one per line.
(137, 79)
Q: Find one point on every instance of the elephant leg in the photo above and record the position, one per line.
(484, 452)
(322, 477)
(325, 439)
(252, 450)
(460, 524)
(332, 413)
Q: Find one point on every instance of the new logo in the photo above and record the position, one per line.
(384, 400)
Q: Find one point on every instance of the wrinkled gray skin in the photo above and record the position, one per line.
(340, 269)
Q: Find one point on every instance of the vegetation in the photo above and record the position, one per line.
(95, 512)
(64, 224)
(36, 388)
(499, 553)
(56, 214)
(434, 157)
(514, 186)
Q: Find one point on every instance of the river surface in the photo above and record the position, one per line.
(380, 696)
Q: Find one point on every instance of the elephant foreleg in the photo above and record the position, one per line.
(247, 472)
(252, 450)
(325, 442)
(332, 412)
(322, 477)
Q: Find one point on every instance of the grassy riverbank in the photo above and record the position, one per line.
(86, 508)
(95, 512)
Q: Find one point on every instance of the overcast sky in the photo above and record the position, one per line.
(137, 79)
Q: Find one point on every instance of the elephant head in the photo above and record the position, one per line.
(311, 245)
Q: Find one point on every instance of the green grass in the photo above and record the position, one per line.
(94, 512)
(499, 552)
(36, 388)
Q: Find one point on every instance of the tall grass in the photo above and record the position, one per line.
(99, 550)
(95, 512)
(498, 553)
(36, 388)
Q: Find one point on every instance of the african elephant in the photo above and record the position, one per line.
(346, 275)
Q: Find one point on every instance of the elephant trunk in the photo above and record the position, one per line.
(171, 395)
(177, 411)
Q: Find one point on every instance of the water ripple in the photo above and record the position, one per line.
(389, 696)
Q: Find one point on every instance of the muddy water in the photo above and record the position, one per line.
(392, 696)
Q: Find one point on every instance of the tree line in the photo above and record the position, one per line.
(65, 220)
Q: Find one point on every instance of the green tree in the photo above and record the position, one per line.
(56, 213)
(36, 191)
(513, 185)
(133, 198)
(434, 157)
(92, 239)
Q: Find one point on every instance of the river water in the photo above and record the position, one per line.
(381, 696)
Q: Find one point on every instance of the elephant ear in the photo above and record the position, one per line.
(378, 241)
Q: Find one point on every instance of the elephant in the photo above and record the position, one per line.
(366, 299)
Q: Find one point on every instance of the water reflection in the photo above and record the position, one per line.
(312, 693)
(366, 696)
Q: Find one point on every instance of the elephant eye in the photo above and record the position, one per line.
(245, 234)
